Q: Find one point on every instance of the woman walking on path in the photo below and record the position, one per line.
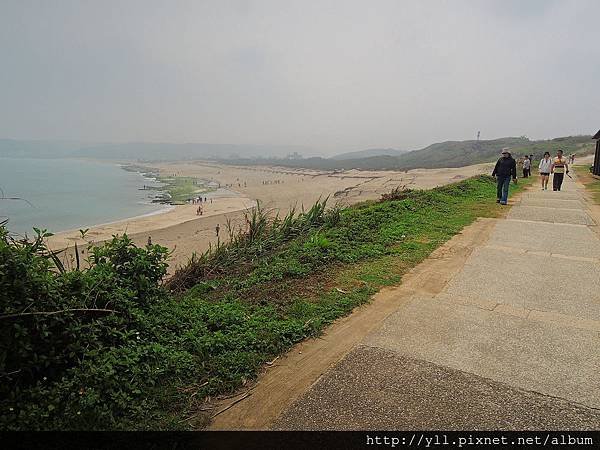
(526, 167)
(545, 168)
(559, 168)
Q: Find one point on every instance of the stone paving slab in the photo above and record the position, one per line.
(552, 203)
(511, 342)
(554, 215)
(531, 281)
(378, 389)
(537, 356)
(565, 239)
(547, 195)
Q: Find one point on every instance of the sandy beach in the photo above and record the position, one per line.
(279, 189)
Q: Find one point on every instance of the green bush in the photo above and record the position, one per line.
(56, 325)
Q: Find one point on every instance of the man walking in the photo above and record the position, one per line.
(505, 168)
(559, 168)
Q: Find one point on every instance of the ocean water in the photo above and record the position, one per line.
(67, 194)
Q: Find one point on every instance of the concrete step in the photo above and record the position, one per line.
(552, 203)
(531, 281)
(553, 215)
(532, 355)
(563, 239)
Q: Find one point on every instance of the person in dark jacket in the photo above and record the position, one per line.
(505, 169)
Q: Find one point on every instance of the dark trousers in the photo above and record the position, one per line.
(502, 190)
(526, 173)
(557, 180)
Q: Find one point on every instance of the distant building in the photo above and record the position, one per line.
(294, 155)
(596, 168)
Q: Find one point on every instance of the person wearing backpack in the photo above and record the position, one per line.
(506, 167)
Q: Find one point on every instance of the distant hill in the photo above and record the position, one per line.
(459, 153)
(462, 153)
(442, 154)
(168, 151)
(140, 150)
(370, 152)
(17, 148)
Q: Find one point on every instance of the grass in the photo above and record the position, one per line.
(182, 189)
(591, 183)
(278, 282)
(264, 304)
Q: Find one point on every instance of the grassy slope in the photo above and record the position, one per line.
(245, 318)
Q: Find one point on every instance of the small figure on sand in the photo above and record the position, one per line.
(149, 241)
(559, 168)
(199, 211)
(545, 169)
(217, 229)
(506, 167)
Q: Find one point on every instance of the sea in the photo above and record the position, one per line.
(70, 194)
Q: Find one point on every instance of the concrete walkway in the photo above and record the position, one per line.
(511, 340)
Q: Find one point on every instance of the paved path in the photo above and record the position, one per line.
(511, 340)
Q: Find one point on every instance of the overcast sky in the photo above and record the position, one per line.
(332, 75)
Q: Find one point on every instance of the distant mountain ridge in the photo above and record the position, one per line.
(440, 155)
(370, 152)
(139, 150)
(29, 148)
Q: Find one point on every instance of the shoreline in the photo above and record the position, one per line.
(166, 209)
(184, 233)
(170, 216)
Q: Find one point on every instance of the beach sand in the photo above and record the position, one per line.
(276, 188)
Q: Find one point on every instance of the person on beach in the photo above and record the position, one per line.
(545, 168)
(526, 167)
(149, 241)
(506, 167)
(559, 168)
(217, 229)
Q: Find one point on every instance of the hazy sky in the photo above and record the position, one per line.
(333, 75)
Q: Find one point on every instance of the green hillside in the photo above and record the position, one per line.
(442, 154)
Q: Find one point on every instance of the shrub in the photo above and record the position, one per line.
(55, 325)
